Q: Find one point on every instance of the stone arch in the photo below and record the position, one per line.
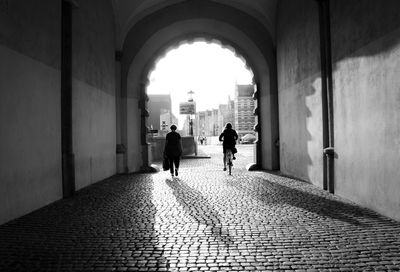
(196, 10)
(150, 7)
(150, 38)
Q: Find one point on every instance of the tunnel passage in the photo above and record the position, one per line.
(149, 39)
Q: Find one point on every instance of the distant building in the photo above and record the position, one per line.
(215, 125)
(244, 109)
(226, 113)
(222, 112)
(203, 123)
(199, 124)
(212, 122)
(160, 112)
(209, 123)
(185, 128)
(166, 120)
(206, 123)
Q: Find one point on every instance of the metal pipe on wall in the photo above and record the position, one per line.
(327, 95)
(68, 163)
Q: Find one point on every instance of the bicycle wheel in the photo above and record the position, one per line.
(230, 166)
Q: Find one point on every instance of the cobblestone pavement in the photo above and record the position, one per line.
(204, 220)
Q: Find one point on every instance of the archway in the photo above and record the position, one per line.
(140, 54)
(211, 73)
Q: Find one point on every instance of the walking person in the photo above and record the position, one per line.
(173, 150)
(228, 138)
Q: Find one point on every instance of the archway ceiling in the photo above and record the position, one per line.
(128, 12)
(188, 31)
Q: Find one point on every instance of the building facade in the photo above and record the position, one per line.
(226, 114)
(244, 109)
(167, 119)
(160, 111)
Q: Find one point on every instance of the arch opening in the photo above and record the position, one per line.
(212, 75)
(202, 66)
(139, 61)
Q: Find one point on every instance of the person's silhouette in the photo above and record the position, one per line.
(228, 138)
(173, 150)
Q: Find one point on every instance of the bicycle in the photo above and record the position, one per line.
(229, 159)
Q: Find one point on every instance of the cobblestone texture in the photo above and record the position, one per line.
(204, 220)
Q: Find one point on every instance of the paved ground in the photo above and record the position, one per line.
(204, 220)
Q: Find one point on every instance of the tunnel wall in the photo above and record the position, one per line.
(366, 69)
(30, 106)
(133, 141)
(365, 44)
(94, 112)
(299, 88)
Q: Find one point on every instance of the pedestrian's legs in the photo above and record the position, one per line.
(171, 166)
(176, 161)
(224, 160)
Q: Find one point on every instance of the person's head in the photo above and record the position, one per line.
(173, 127)
(228, 126)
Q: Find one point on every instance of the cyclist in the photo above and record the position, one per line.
(228, 138)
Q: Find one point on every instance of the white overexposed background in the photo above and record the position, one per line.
(207, 69)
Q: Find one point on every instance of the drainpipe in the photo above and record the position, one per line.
(68, 164)
(120, 148)
(327, 95)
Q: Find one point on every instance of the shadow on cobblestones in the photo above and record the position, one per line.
(321, 205)
(105, 227)
(199, 208)
(251, 221)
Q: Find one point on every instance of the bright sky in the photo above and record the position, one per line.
(209, 70)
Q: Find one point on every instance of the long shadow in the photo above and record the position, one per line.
(198, 207)
(362, 232)
(274, 193)
(354, 39)
(107, 226)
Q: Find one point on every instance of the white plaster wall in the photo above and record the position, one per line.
(300, 114)
(366, 89)
(94, 134)
(93, 92)
(299, 83)
(30, 132)
(367, 126)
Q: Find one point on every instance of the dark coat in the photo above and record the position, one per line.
(173, 145)
(229, 137)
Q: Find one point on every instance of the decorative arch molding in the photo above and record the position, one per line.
(209, 30)
(151, 38)
(148, 8)
(192, 10)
